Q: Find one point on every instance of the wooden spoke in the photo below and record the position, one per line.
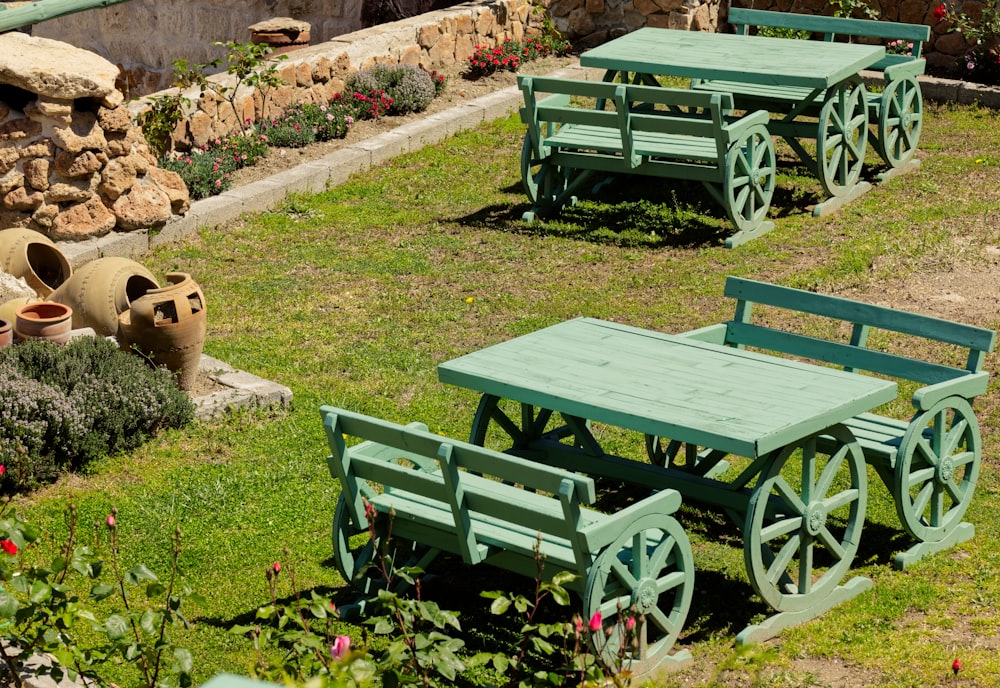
(647, 574)
(842, 137)
(750, 175)
(937, 469)
(804, 520)
(502, 424)
(900, 120)
(355, 549)
(674, 455)
(543, 182)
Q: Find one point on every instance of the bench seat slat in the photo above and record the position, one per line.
(582, 137)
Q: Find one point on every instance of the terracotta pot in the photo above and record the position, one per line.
(44, 320)
(168, 325)
(102, 290)
(6, 334)
(32, 255)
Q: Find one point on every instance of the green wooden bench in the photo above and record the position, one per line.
(930, 462)
(897, 111)
(659, 132)
(493, 508)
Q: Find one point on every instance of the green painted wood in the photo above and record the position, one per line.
(654, 131)
(929, 463)
(735, 401)
(499, 509)
(747, 59)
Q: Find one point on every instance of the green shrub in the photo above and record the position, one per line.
(411, 89)
(63, 406)
(204, 173)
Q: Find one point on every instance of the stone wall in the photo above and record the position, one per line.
(144, 37)
(316, 73)
(72, 163)
(592, 22)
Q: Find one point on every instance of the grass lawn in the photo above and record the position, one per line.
(353, 296)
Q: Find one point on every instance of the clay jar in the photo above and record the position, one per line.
(32, 255)
(44, 320)
(6, 334)
(168, 325)
(102, 290)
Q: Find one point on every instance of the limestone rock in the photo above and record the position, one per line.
(145, 205)
(14, 288)
(36, 173)
(82, 221)
(55, 69)
(72, 190)
(72, 166)
(117, 177)
(173, 185)
(82, 134)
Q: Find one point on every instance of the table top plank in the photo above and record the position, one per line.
(748, 59)
(729, 399)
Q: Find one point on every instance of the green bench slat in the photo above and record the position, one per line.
(679, 147)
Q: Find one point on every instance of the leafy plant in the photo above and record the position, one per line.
(159, 121)
(511, 54)
(63, 406)
(981, 62)
(42, 611)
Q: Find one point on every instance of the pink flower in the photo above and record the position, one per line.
(579, 624)
(340, 646)
(595, 622)
(3, 470)
(9, 547)
(940, 12)
(110, 521)
(630, 623)
(276, 567)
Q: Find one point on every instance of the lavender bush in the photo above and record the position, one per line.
(62, 406)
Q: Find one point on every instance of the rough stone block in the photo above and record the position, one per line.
(177, 229)
(384, 147)
(124, 244)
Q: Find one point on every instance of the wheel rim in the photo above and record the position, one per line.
(750, 175)
(505, 425)
(937, 469)
(900, 120)
(674, 455)
(351, 560)
(648, 573)
(542, 181)
(799, 543)
(842, 138)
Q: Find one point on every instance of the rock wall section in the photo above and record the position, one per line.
(72, 164)
(318, 72)
(144, 37)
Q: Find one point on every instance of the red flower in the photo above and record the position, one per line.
(940, 12)
(276, 567)
(956, 666)
(9, 547)
(3, 470)
(595, 622)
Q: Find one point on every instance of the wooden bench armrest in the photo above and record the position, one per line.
(735, 129)
(599, 535)
(967, 386)
(908, 65)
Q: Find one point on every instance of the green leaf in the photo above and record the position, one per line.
(116, 627)
(101, 591)
(140, 573)
(185, 662)
(499, 605)
(155, 589)
(149, 621)
(8, 604)
(561, 596)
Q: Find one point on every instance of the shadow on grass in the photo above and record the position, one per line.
(636, 211)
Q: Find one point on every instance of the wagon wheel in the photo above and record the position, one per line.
(900, 120)
(543, 181)
(937, 468)
(503, 425)
(646, 573)
(804, 520)
(675, 455)
(352, 560)
(749, 182)
(842, 137)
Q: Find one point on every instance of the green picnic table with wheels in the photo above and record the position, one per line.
(817, 89)
(797, 486)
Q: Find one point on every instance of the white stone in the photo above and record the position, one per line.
(54, 69)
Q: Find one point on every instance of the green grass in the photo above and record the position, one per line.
(353, 296)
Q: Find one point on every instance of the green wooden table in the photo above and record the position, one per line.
(799, 502)
(829, 104)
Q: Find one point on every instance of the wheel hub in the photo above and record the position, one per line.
(645, 596)
(815, 518)
(946, 470)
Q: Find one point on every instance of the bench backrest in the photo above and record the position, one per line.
(853, 355)
(680, 112)
(829, 28)
(445, 466)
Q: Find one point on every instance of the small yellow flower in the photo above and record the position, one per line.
(470, 299)
(978, 160)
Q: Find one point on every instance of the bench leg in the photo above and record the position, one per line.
(936, 471)
(804, 520)
(547, 185)
(900, 120)
(646, 574)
